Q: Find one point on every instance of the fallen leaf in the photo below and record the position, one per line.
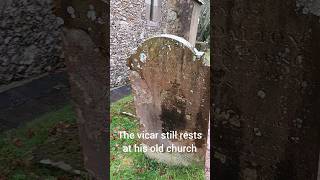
(30, 133)
(162, 172)
(140, 170)
(127, 162)
(17, 142)
(18, 163)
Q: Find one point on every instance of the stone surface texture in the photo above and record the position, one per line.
(266, 74)
(309, 6)
(183, 18)
(29, 39)
(170, 84)
(86, 50)
(130, 26)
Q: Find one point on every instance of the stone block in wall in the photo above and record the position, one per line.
(129, 26)
(29, 39)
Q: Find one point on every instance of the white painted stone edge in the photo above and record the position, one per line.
(181, 40)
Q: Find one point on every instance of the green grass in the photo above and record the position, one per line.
(22, 148)
(134, 165)
(17, 147)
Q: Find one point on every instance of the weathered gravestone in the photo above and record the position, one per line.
(170, 83)
(86, 53)
(266, 74)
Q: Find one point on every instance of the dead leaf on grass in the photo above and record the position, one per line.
(140, 170)
(162, 172)
(127, 161)
(17, 142)
(31, 133)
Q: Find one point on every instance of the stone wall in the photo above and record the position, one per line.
(30, 36)
(128, 28)
(29, 39)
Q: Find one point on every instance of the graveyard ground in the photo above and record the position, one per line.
(54, 137)
(43, 146)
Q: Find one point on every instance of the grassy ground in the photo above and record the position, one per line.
(135, 165)
(54, 136)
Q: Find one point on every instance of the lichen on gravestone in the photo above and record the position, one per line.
(170, 83)
(84, 37)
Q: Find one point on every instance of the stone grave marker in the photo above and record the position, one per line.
(85, 49)
(170, 83)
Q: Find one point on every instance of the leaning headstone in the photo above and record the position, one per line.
(170, 83)
(266, 89)
(86, 51)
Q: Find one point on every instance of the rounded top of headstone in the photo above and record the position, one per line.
(182, 41)
(200, 2)
(164, 42)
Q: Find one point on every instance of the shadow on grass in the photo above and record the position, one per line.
(53, 136)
